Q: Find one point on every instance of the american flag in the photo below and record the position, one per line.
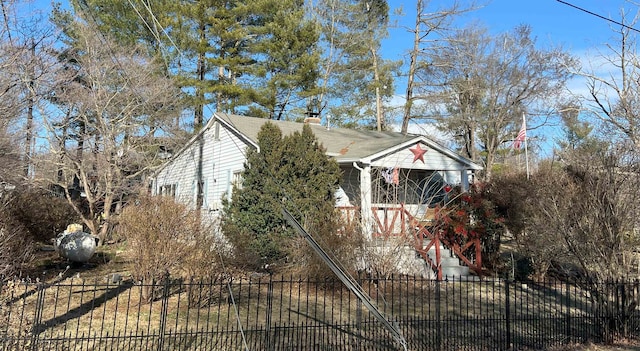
(522, 135)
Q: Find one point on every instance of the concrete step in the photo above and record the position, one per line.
(451, 265)
(448, 261)
(455, 271)
(461, 278)
(444, 252)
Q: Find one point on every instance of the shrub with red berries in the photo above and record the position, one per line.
(471, 215)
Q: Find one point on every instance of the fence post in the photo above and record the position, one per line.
(267, 337)
(507, 311)
(163, 313)
(438, 317)
(358, 313)
(568, 311)
(623, 328)
(37, 320)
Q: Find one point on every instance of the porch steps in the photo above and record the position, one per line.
(452, 267)
(408, 260)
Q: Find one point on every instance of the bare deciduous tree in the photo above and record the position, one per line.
(26, 66)
(480, 86)
(119, 115)
(614, 97)
(428, 33)
(353, 77)
(583, 220)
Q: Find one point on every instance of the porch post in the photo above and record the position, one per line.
(365, 201)
(464, 179)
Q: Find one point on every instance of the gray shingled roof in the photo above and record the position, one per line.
(345, 145)
(340, 142)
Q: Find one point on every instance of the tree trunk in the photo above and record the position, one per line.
(199, 112)
(376, 77)
(30, 103)
(104, 222)
(412, 70)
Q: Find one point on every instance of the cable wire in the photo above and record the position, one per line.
(599, 16)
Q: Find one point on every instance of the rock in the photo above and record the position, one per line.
(114, 278)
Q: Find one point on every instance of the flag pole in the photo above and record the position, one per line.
(526, 150)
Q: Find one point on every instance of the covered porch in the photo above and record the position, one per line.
(401, 195)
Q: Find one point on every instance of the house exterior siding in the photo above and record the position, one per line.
(223, 156)
(451, 170)
(219, 152)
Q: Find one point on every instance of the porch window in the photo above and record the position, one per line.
(407, 186)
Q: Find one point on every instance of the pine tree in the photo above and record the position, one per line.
(289, 71)
(234, 56)
(354, 78)
(293, 168)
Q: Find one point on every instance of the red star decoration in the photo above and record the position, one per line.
(418, 153)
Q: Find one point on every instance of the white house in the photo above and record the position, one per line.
(389, 178)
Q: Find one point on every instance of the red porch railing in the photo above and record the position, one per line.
(397, 221)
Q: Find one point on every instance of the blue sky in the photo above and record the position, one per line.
(552, 21)
(553, 24)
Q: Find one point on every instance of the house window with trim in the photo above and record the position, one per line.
(236, 179)
(216, 131)
(201, 193)
(168, 190)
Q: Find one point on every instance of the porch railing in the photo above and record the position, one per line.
(423, 233)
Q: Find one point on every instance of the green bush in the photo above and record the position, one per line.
(292, 167)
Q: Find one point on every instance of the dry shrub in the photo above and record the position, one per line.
(16, 249)
(201, 270)
(165, 240)
(535, 246)
(16, 327)
(383, 258)
(341, 240)
(40, 213)
(509, 194)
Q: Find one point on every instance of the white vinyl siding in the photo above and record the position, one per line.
(433, 160)
(219, 157)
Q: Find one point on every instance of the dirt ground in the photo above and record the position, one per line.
(48, 266)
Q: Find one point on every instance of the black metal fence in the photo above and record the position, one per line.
(286, 313)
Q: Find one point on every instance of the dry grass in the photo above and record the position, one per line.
(622, 345)
(77, 306)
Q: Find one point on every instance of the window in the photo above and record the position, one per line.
(237, 179)
(216, 131)
(431, 189)
(168, 190)
(200, 193)
(407, 186)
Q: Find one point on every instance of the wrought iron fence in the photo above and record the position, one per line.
(287, 313)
